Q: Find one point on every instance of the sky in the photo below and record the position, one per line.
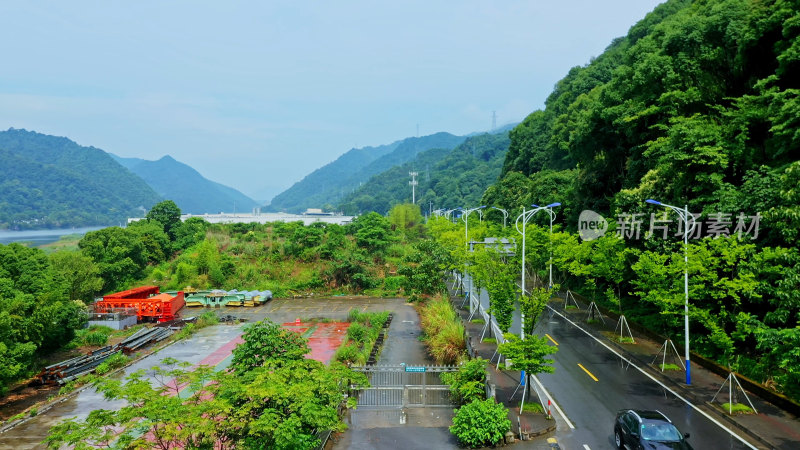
(258, 94)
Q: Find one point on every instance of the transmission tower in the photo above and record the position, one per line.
(413, 184)
(494, 120)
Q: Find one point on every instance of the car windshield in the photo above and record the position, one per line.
(660, 432)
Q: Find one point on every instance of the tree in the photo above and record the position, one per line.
(407, 218)
(118, 253)
(530, 354)
(532, 306)
(156, 243)
(168, 215)
(77, 274)
(425, 267)
(372, 232)
(267, 341)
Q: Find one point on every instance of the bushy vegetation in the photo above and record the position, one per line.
(443, 331)
(364, 329)
(481, 423)
(469, 383)
(275, 398)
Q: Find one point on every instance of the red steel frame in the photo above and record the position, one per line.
(149, 304)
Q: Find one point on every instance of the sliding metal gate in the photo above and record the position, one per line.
(403, 386)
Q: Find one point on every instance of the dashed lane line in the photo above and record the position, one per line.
(667, 388)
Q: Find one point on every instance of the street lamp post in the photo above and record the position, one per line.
(505, 214)
(525, 216)
(685, 217)
(465, 216)
(549, 210)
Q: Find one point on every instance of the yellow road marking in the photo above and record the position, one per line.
(551, 339)
(587, 372)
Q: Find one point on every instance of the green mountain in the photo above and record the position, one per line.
(52, 182)
(193, 193)
(447, 178)
(698, 105)
(327, 186)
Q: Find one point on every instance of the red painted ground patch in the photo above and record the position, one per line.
(324, 340)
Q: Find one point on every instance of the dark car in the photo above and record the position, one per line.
(644, 430)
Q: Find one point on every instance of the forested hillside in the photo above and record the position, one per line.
(52, 182)
(327, 186)
(192, 192)
(699, 104)
(447, 178)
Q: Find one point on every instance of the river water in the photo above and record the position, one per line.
(41, 237)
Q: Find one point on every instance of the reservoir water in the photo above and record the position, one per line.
(41, 237)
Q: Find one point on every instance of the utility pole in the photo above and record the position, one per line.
(413, 184)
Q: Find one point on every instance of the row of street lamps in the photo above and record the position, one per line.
(689, 225)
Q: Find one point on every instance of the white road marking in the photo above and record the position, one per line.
(651, 377)
(549, 397)
(586, 447)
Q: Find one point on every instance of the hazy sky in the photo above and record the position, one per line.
(257, 94)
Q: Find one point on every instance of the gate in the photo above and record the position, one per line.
(403, 386)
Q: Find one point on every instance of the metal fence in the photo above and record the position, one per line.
(403, 386)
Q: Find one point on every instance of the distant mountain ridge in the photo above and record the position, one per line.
(447, 178)
(193, 193)
(328, 185)
(52, 182)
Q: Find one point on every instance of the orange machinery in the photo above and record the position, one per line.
(149, 304)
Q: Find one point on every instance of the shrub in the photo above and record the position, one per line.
(481, 423)
(347, 353)
(469, 383)
(206, 319)
(115, 361)
(357, 332)
(448, 345)
(443, 330)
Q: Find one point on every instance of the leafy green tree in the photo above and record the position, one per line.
(372, 232)
(530, 354)
(156, 242)
(425, 267)
(532, 306)
(77, 273)
(407, 218)
(190, 232)
(118, 253)
(168, 215)
(265, 341)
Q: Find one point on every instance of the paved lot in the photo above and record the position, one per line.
(194, 350)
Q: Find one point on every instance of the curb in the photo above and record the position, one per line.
(708, 406)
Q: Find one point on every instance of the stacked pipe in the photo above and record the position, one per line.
(72, 368)
(143, 337)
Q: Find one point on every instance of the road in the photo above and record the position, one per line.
(591, 383)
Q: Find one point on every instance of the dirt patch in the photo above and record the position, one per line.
(23, 397)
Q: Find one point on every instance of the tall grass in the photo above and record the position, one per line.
(444, 333)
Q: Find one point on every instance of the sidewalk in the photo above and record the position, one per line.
(505, 382)
(772, 427)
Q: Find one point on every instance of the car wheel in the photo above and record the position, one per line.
(618, 438)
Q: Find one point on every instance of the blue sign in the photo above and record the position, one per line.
(522, 377)
(415, 369)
